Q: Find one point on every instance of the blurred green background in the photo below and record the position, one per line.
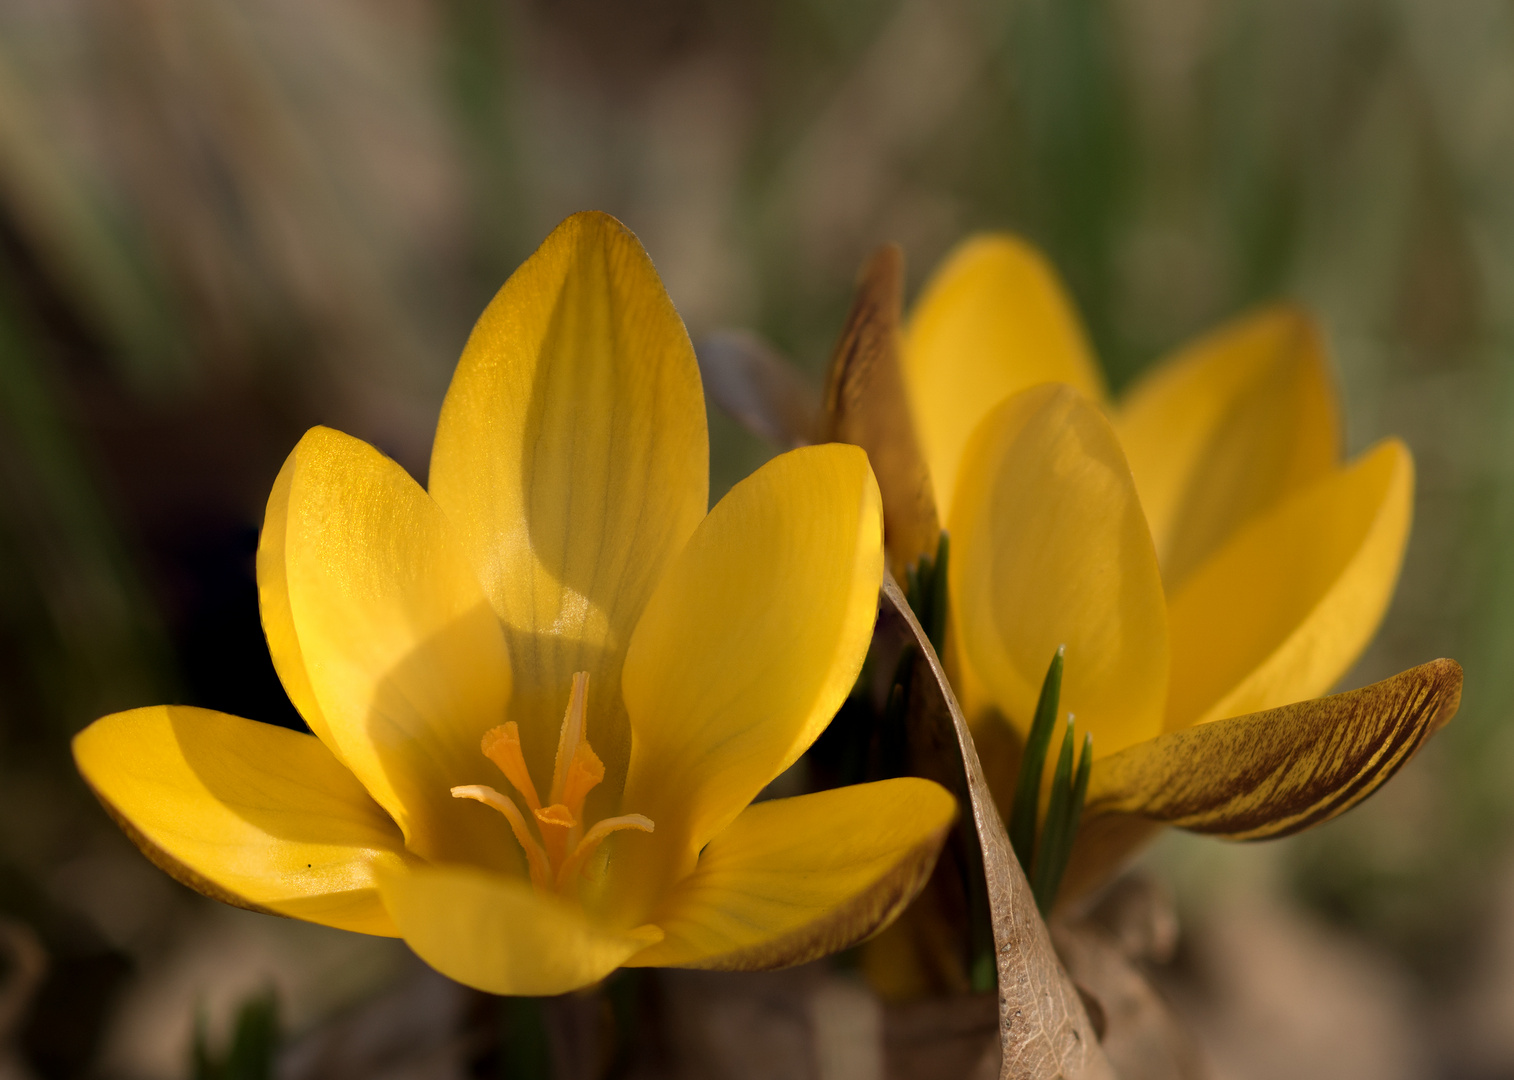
(222, 222)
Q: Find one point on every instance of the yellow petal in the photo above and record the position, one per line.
(500, 935)
(247, 813)
(1049, 548)
(792, 880)
(572, 456)
(1282, 611)
(403, 654)
(273, 606)
(993, 320)
(1277, 772)
(1229, 426)
(747, 649)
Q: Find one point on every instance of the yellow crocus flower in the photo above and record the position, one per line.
(1200, 547)
(546, 690)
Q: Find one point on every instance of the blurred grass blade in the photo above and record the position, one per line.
(525, 1051)
(73, 596)
(96, 256)
(254, 1046)
(1022, 818)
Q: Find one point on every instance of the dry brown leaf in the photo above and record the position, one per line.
(1044, 1028)
(1138, 1032)
(865, 404)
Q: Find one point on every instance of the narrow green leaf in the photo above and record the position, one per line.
(1022, 818)
(1049, 861)
(1079, 797)
(925, 588)
(1062, 818)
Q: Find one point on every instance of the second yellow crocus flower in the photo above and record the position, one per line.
(1201, 547)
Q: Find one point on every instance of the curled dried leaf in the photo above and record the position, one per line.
(1044, 1026)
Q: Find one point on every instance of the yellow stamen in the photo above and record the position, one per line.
(584, 774)
(536, 858)
(594, 837)
(555, 823)
(501, 745)
(571, 734)
(557, 858)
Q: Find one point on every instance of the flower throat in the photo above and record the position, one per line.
(556, 852)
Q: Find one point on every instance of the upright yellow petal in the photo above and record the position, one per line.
(993, 320)
(792, 880)
(572, 456)
(248, 813)
(1225, 429)
(1049, 548)
(499, 934)
(747, 649)
(1282, 611)
(403, 654)
(273, 606)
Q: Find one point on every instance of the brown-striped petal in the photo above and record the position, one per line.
(1277, 772)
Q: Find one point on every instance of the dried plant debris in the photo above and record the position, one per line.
(1044, 1027)
(865, 404)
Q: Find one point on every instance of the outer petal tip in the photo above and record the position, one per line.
(1311, 580)
(751, 642)
(1446, 674)
(994, 319)
(793, 880)
(572, 457)
(246, 813)
(1278, 772)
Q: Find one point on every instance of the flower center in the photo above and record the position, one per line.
(557, 849)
